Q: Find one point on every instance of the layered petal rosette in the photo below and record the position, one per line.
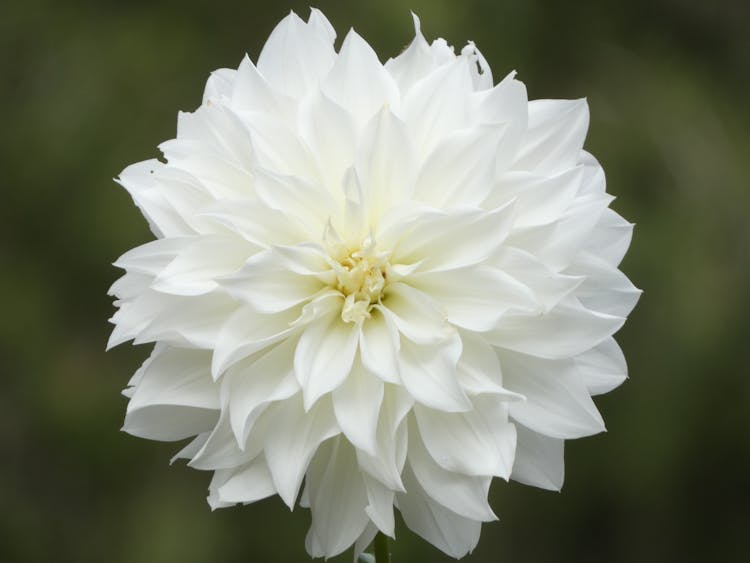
(373, 286)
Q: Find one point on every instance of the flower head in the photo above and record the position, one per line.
(373, 286)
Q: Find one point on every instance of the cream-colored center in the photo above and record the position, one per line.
(361, 276)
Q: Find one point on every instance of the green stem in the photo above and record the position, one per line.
(382, 551)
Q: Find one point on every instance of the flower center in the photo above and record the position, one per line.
(361, 276)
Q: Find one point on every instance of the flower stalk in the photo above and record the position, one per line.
(382, 548)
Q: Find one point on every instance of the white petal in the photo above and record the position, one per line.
(252, 92)
(138, 180)
(194, 321)
(356, 404)
(321, 26)
(463, 494)
(307, 203)
(175, 397)
(324, 356)
(557, 402)
(437, 105)
(247, 332)
(389, 460)
(554, 139)
(460, 170)
(379, 344)
(540, 199)
(385, 163)
(557, 244)
(364, 540)
(477, 297)
(255, 222)
(505, 104)
(280, 151)
(549, 287)
(330, 132)
(219, 85)
(337, 498)
(414, 62)
(442, 240)
(255, 382)
(380, 505)
(539, 460)
(415, 315)
(443, 528)
(220, 450)
(605, 288)
(478, 442)
(602, 368)
(296, 57)
(611, 238)
(266, 284)
(478, 368)
(358, 82)
(152, 257)
(567, 330)
(292, 437)
(195, 269)
(248, 483)
(429, 375)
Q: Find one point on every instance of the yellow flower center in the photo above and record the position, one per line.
(361, 276)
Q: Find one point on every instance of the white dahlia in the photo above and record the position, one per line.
(387, 283)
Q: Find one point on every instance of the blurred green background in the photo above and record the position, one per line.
(87, 88)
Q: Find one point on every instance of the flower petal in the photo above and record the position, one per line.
(605, 288)
(324, 356)
(453, 534)
(247, 332)
(539, 460)
(248, 483)
(429, 374)
(463, 494)
(565, 331)
(557, 402)
(255, 382)
(356, 404)
(476, 442)
(460, 170)
(602, 368)
(476, 297)
(175, 397)
(554, 139)
(358, 82)
(296, 56)
(291, 437)
(337, 498)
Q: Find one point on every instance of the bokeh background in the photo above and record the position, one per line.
(89, 87)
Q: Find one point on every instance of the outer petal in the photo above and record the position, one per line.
(248, 483)
(567, 330)
(443, 528)
(539, 460)
(358, 82)
(463, 494)
(557, 129)
(557, 402)
(296, 56)
(602, 368)
(292, 436)
(175, 397)
(477, 442)
(337, 498)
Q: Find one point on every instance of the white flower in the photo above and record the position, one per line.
(390, 282)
